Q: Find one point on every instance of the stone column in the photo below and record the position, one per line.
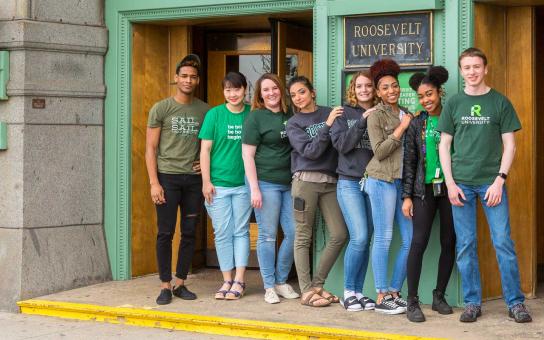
(51, 175)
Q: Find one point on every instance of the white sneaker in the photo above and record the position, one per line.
(271, 297)
(285, 290)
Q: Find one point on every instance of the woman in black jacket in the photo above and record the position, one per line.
(424, 192)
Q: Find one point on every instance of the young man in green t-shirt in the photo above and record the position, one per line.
(172, 160)
(480, 122)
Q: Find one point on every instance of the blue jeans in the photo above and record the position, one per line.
(498, 218)
(230, 211)
(386, 203)
(277, 209)
(355, 205)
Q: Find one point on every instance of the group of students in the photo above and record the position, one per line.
(364, 165)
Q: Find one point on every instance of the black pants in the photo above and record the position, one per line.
(424, 212)
(185, 192)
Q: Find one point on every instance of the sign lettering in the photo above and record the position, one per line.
(405, 37)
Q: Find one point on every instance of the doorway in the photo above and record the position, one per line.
(513, 53)
(252, 45)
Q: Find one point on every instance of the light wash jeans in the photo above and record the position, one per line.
(386, 202)
(355, 205)
(230, 211)
(277, 209)
(498, 218)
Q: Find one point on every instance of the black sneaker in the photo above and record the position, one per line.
(388, 306)
(183, 293)
(471, 313)
(519, 313)
(440, 304)
(400, 301)
(165, 297)
(367, 303)
(413, 312)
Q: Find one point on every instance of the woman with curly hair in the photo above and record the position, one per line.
(386, 129)
(424, 192)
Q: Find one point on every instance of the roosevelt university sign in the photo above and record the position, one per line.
(405, 37)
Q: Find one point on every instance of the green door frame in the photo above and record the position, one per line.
(450, 16)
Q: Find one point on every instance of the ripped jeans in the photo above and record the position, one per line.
(185, 192)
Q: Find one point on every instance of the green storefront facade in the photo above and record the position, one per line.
(452, 25)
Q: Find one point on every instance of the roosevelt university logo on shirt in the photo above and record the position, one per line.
(312, 129)
(283, 133)
(364, 143)
(476, 116)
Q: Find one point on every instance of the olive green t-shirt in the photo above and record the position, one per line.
(432, 139)
(266, 130)
(477, 124)
(179, 146)
(224, 128)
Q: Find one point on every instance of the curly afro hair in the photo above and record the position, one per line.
(435, 76)
(382, 68)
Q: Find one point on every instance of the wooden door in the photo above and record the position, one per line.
(506, 35)
(156, 50)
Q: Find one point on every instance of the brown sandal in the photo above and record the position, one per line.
(312, 299)
(326, 295)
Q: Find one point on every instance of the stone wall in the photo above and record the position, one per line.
(51, 176)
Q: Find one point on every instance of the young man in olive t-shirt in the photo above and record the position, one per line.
(172, 150)
(480, 122)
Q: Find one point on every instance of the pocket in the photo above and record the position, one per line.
(300, 216)
(299, 209)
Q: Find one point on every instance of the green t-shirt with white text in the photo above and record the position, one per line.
(477, 124)
(179, 146)
(266, 130)
(224, 129)
(432, 139)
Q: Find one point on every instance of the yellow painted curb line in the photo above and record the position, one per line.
(197, 323)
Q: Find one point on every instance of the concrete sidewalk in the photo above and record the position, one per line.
(26, 327)
(141, 293)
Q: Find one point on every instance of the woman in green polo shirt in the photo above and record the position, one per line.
(267, 160)
(225, 193)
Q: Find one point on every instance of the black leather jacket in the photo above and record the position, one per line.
(413, 169)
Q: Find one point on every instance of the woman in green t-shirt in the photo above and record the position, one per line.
(424, 192)
(227, 197)
(267, 160)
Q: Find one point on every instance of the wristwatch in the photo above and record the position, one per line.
(503, 175)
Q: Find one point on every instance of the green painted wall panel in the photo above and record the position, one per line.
(349, 7)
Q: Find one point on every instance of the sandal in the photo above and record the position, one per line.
(220, 294)
(351, 304)
(332, 298)
(313, 299)
(234, 294)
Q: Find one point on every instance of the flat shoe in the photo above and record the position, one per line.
(313, 299)
(183, 293)
(220, 294)
(351, 304)
(234, 294)
(332, 298)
